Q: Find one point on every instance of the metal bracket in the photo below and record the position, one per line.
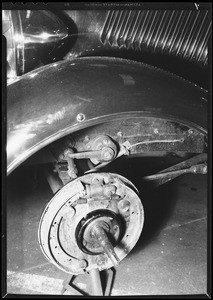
(96, 284)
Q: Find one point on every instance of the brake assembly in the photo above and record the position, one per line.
(92, 222)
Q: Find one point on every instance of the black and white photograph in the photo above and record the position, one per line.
(107, 127)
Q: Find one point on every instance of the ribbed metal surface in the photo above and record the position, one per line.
(182, 33)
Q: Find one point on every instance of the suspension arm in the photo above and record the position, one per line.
(187, 166)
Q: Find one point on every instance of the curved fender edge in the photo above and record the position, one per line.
(53, 101)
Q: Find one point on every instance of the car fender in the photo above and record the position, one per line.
(55, 100)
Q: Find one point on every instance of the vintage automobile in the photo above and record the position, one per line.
(88, 88)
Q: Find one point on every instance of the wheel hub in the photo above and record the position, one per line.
(92, 222)
(98, 221)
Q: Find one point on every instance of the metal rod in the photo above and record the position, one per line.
(201, 169)
(73, 290)
(96, 282)
(109, 282)
(84, 154)
(161, 178)
(67, 286)
(103, 240)
(53, 180)
(200, 158)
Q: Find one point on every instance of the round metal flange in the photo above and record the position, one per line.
(96, 203)
(112, 224)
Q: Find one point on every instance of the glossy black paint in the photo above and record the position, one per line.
(53, 101)
(174, 39)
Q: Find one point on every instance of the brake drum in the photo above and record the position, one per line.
(92, 222)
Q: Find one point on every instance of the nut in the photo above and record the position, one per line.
(107, 154)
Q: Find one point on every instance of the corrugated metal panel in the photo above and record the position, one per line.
(182, 33)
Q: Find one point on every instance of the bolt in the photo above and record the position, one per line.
(115, 227)
(109, 190)
(120, 134)
(106, 179)
(82, 263)
(204, 171)
(156, 131)
(80, 117)
(124, 205)
(194, 169)
(190, 131)
(87, 138)
(107, 154)
(96, 180)
(101, 260)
